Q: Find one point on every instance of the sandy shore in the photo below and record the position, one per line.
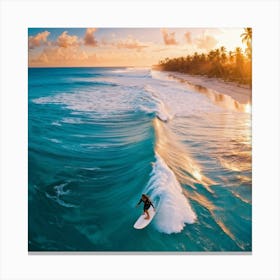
(240, 93)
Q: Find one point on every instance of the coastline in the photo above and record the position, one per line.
(241, 93)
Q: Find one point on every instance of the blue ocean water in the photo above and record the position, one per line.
(100, 137)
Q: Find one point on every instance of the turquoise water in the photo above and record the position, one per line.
(100, 137)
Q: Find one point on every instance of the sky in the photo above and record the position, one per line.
(139, 47)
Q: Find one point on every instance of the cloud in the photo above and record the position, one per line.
(65, 40)
(68, 50)
(168, 37)
(89, 38)
(42, 58)
(206, 42)
(55, 55)
(130, 43)
(38, 40)
(188, 37)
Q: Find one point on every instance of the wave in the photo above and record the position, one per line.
(79, 82)
(177, 157)
(161, 112)
(173, 208)
(130, 69)
(101, 101)
(173, 166)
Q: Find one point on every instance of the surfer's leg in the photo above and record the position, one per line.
(147, 213)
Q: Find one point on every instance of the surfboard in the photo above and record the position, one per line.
(142, 222)
(162, 117)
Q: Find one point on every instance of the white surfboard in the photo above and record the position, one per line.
(142, 222)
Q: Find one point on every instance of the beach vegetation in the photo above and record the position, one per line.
(234, 65)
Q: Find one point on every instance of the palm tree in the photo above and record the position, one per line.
(217, 55)
(223, 54)
(223, 49)
(231, 56)
(211, 56)
(238, 51)
(247, 36)
(239, 61)
(231, 66)
(238, 55)
(202, 57)
(247, 39)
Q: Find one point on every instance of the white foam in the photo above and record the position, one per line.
(98, 100)
(60, 201)
(131, 69)
(72, 120)
(162, 112)
(56, 123)
(173, 208)
(54, 140)
(179, 100)
(90, 168)
(59, 190)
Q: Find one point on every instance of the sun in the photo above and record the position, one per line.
(230, 38)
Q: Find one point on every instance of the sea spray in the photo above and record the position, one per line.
(173, 208)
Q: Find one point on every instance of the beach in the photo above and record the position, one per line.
(240, 93)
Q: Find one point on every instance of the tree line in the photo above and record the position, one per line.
(219, 63)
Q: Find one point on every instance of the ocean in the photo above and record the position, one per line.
(100, 137)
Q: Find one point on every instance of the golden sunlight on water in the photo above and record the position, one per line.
(247, 108)
(236, 153)
(202, 200)
(228, 137)
(229, 140)
(177, 158)
(185, 169)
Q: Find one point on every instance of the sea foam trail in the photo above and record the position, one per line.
(173, 208)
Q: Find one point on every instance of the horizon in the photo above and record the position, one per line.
(122, 47)
(121, 66)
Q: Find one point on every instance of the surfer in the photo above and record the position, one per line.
(147, 204)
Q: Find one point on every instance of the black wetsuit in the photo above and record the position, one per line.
(147, 204)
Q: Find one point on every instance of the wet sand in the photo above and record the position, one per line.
(240, 93)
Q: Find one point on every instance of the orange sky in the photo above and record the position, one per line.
(58, 47)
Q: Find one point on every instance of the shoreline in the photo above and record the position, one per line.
(241, 93)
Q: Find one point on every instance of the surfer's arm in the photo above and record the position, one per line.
(152, 205)
(139, 202)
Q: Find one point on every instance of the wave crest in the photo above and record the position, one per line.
(173, 208)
